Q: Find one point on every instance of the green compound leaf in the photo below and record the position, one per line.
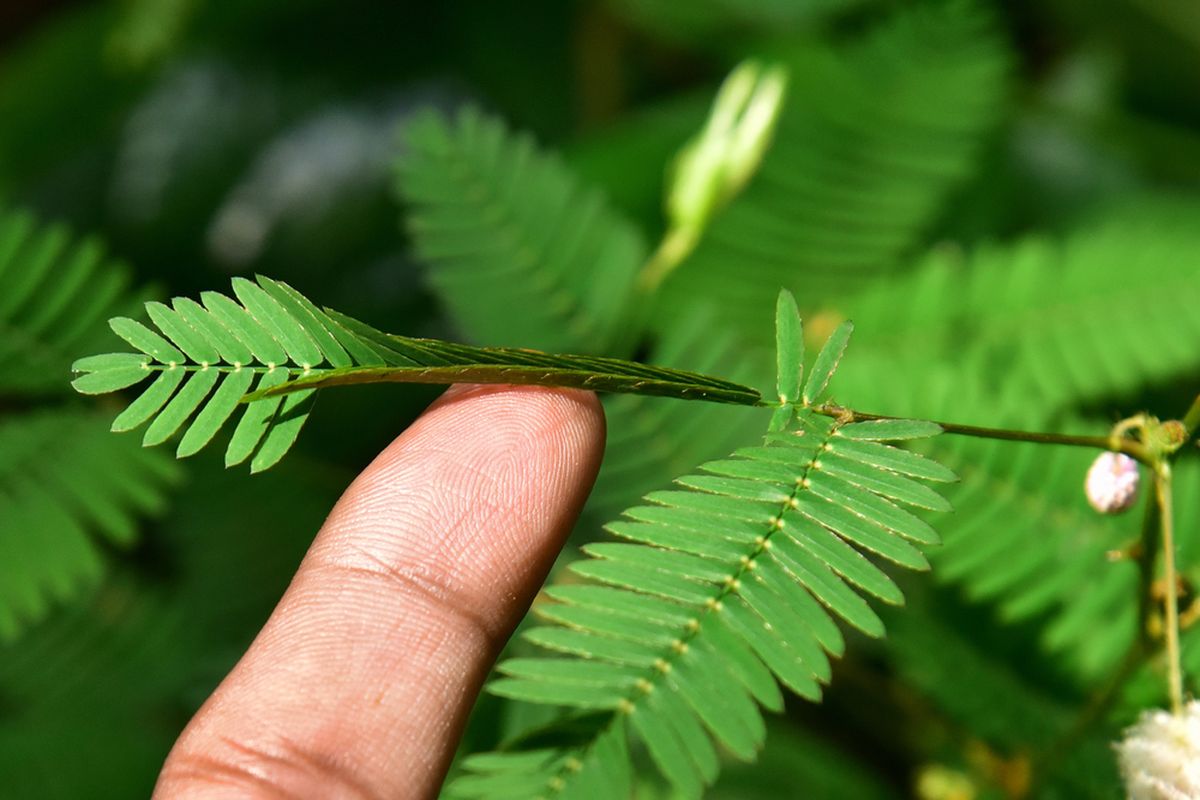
(55, 295)
(68, 490)
(517, 249)
(1049, 317)
(205, 358)
(717, 591)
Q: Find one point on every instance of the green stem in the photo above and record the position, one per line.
(1130, 447)
(676, 245)
(1162, 487)
(1192, 418)
(612, 375)
(655, 382)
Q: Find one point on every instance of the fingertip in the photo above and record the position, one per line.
(495, 474)
(528, 440)
(579, 412)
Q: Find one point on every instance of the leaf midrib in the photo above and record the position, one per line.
(692, 628)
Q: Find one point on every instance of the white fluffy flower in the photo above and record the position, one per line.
(1160, 756)
(1112, 482)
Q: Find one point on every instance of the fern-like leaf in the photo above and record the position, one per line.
(204, 358)
(68, 489)
(1060, 319)
(1027, 540)
(520, 253)
(276, 346)
(717, 589)
(55, 295)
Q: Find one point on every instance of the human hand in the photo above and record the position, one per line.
(360, 683)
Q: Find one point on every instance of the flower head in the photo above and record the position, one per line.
(1160, 755)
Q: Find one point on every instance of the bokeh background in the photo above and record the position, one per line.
(921, 142)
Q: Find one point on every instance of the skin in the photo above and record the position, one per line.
(361, 681)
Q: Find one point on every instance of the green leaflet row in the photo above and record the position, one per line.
(716, 592)
(198, 361)
(70, 493)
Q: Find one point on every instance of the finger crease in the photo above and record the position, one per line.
(210, 770)
(435, 593)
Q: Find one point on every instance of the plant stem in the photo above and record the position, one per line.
(589, 373)
(1130, 447)
(653, 381)
(676, 245)
(1192, 418)
(1162, 487)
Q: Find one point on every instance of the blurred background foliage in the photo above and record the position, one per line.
(1002, 195)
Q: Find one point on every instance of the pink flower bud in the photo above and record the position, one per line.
(1112, 483)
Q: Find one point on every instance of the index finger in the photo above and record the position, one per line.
(360, 683)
